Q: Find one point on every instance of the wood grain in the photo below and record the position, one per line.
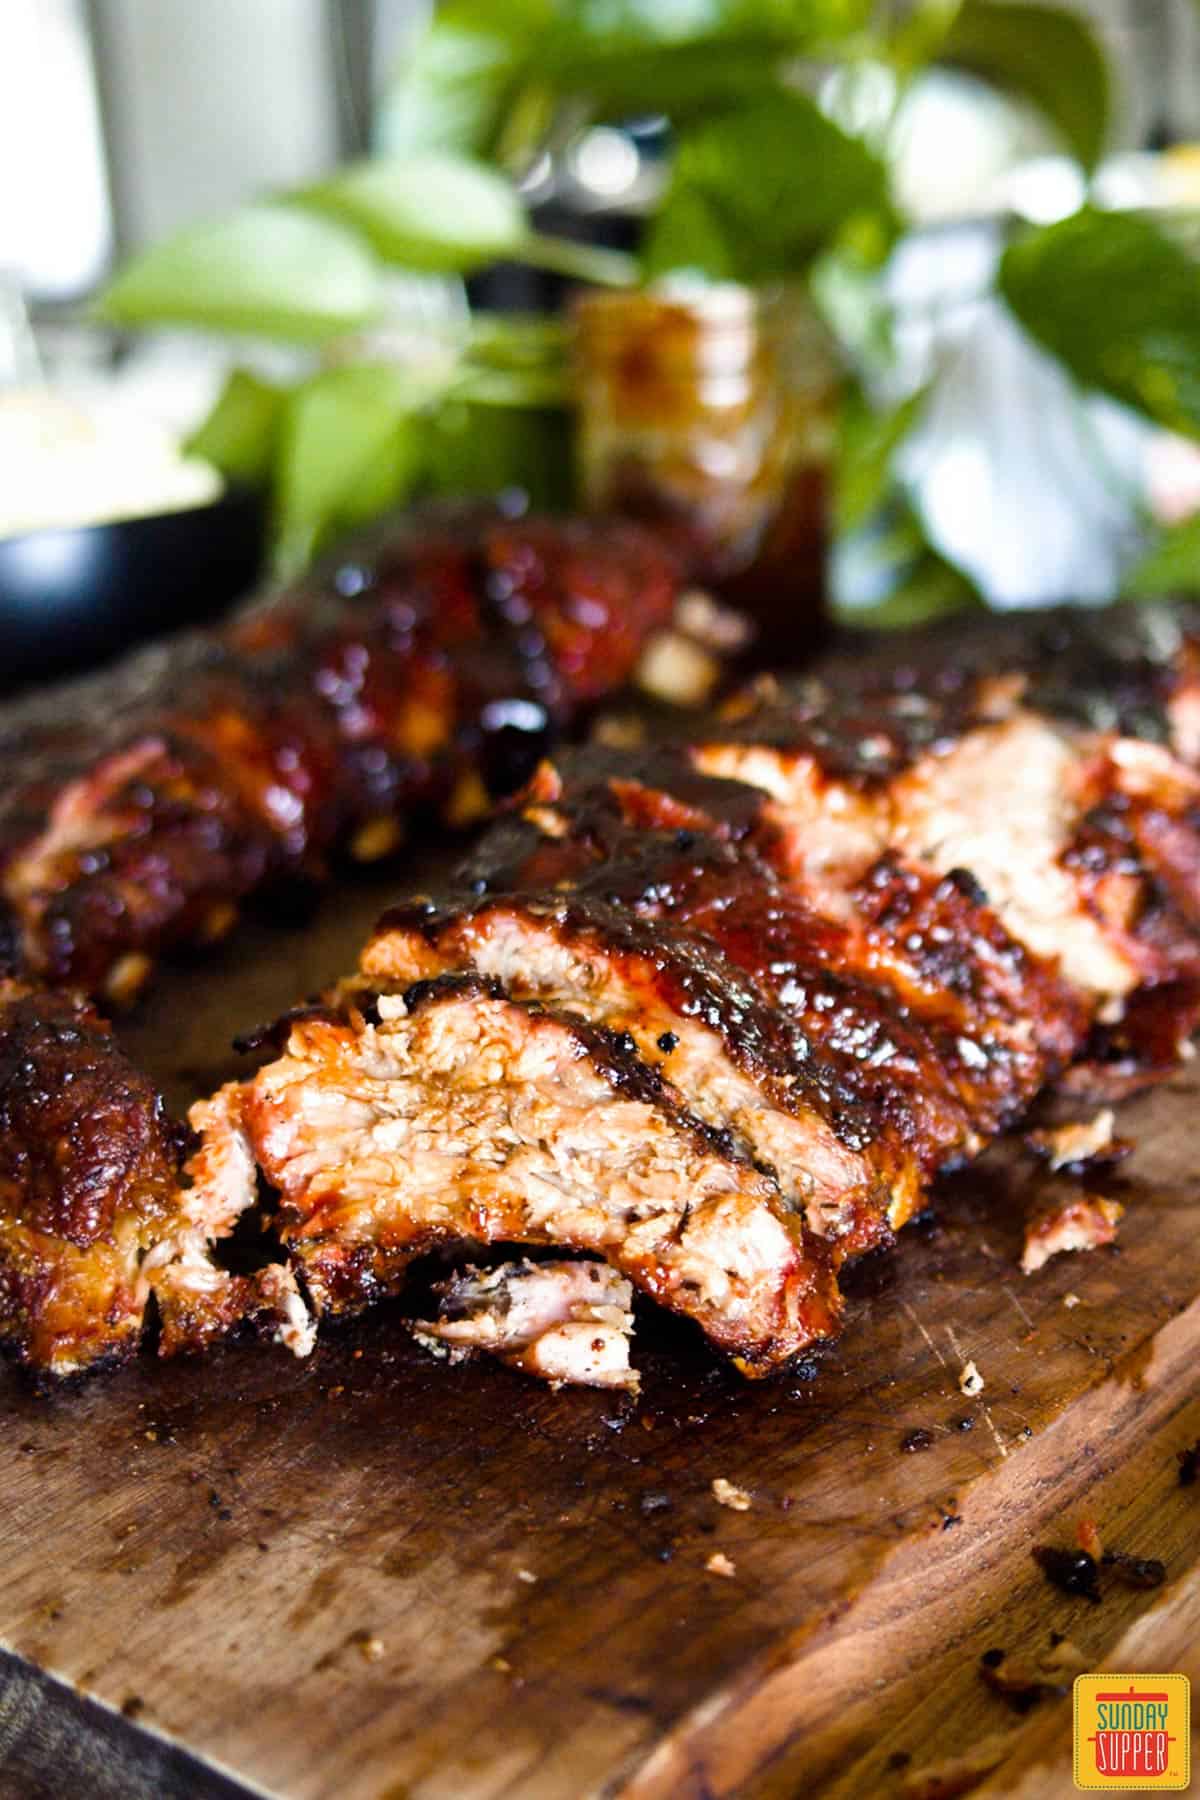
(316, 1577)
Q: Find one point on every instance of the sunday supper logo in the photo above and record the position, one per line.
(1132, 1732)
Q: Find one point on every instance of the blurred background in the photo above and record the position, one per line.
(909, 292)
(130, 118)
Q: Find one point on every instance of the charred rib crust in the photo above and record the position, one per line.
(1115, 669)
(79, 1126)
(88, 1165)
(143, 804)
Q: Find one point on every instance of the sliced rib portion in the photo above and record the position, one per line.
(94, 1215)
(1032, 808)
(852, 1054)
(197, 1298)
(459, 1115)
(566, 1322)
(1133, 670)
(88, 1168)
(688, 1013)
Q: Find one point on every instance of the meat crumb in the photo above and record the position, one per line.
(726, 1494)
(970, 1382)
(1069, 1221)
(715, 626)
(371, 1648)
(1023, 1683)
(1084, 1141)
(719, 1564)
(676, 669)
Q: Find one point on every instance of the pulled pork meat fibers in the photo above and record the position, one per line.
(716, 1013)
(568, 1322)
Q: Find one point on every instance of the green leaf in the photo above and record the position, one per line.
(1171, 567)
(240, 434)
(516, 359)
(868, 438)
(457, 82)
(690, 233)
(451, 215)
(604, 32)
(506, 422)
(917, 36)
(1045, 54)
(486, 74)
(684, 81)
(519, 340)
(686, 58)
(762, 189)
(436, 212)
(450, 93)
(931, 589)
(352, 443)
(268, 271)
(1118, 302)
(488, 439)
(847, 291)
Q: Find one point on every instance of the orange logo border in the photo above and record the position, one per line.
(1124, 1783)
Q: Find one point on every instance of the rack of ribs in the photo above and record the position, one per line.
(411, 677)
(717, 1011)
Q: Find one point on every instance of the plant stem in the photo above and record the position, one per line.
(582, 262)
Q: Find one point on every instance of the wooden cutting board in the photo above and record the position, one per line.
(372, 1577)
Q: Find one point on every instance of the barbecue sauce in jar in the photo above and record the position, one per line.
(710, 411)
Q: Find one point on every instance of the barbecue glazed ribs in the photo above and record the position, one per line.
(89, 1169)
(417, 672)
(93, 1214)
(717, 1012)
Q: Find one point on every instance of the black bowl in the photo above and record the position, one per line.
(77, 595)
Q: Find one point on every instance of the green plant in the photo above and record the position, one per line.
(769, 178)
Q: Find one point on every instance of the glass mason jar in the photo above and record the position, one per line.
(712, 411)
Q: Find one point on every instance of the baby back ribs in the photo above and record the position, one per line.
(411, 675)
(717, 1012)
(849, 934)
